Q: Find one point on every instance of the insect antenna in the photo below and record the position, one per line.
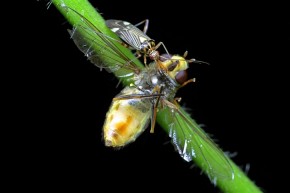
(192, 60)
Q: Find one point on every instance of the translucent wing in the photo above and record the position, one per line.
(193, 143)
(102, 50)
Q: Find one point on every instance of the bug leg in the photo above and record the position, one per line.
(155, 105)
(137, 55)
(161, 67)
(145, 60)
(188, 81)
(161, 44)
(146, 25)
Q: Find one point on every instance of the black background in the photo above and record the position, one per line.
(61, 99)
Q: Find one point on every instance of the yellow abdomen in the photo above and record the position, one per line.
(126, 119)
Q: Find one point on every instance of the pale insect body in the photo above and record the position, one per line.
(126, 119)
(153, 89)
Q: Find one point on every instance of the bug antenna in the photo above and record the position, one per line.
(201, 62)
(197, 61)
(194, 60)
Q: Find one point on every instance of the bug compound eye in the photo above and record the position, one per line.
(164, 57)
(181, 77)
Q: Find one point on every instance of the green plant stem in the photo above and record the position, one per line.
(241, 183)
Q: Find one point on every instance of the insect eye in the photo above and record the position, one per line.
(181, 77)
(164, 57)
(172, 66)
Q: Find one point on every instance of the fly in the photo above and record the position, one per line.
(152, 89)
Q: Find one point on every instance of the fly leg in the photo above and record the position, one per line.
(188, 81)
(155, 107)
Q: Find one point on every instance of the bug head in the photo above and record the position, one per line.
(176, 66)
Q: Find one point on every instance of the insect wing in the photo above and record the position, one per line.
(128, 32)
(102, 50)
(193, 143)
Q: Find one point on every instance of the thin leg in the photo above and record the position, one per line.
(159, 44)
(146, 25)
(155, 108)
(137, 55)
(188, 81)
